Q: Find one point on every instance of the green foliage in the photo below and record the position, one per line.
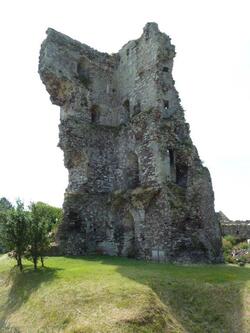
(3, 219)
(38, 233)
(247, 256)
(230, 259)
(243, 246)
(241, 261)
(28, 233)
(227, 245)
(5, 205)
(235, 252)
(14, 231)
(52, 215)
(233, 240)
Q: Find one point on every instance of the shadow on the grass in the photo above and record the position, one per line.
(201, 298)
(22, 285)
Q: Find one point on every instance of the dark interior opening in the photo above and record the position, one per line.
(181, 175)
(132, 171)
(95, 114)
(165, 69)
(75, 221)
(171, 157)
(172, 164)
(166, 104)
(126, 105)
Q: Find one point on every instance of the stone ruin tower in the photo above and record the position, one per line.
(137, 186)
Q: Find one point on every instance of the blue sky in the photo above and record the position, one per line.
(211, 70)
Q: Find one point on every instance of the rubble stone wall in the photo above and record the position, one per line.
(238, 229)
(137, 187)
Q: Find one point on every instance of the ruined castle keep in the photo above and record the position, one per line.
(137, 187)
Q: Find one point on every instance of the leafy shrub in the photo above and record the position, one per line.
(227, 245)
(233, 240)
(229, 258)
(242, 246)
(235, 252)
(248, 258)
(241, 261)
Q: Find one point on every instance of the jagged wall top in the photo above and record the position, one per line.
(64, 62)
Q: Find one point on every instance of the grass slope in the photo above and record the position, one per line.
(104, 294)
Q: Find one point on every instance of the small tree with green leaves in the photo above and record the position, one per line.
(5, 206)
(14, 232)
(38, 234)
(53, 215)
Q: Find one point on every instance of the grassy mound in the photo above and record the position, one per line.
(104, 294)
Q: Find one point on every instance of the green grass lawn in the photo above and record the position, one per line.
(104, 294)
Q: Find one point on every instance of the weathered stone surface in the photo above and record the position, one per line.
(137, 186)
(238, 229)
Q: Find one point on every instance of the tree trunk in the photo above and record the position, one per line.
(19, 263)
(35, 263)
(42, 261)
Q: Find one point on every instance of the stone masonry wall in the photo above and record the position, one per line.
(137, 186)
(238, 229)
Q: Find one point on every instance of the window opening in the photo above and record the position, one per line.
(166, 104)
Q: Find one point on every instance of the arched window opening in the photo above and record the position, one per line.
(132, 171)
(165, 69)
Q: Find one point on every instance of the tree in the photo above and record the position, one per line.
(5, 206)
(53, 215)
(30, 232)
(3, 219)
(14, 231)
(38, 234)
